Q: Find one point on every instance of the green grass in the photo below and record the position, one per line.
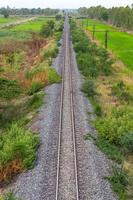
(9, 196)
(34, 25)
(22, 31)
(17, 143)
(121, 43)
(9, 89)
(7, 20)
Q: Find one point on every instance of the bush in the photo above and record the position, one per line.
(126, 142)
(9, 196)
(47, 29)
(121, 91)
(35, 101)
(9, 89)
(98, 110)
(35, 87)
(114, 126)
(53, 76)
(51, 53)
(88, 88)
(119, 181)
(17, 145)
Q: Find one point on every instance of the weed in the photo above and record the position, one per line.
(121, 91)
(35, 87)
(116, 125)
(9, 196)
(88, 88)
(98, 110)
(111, 150)
(9, 88)
(53, 76)
(17, 151)
(119, 181)
(35, 101)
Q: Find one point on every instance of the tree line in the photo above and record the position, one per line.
(118, 16)
(25, 11)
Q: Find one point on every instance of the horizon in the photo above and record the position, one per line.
(64, 4)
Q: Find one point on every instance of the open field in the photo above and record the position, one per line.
(7, 20)
(22, 31)
(32, 25)
(120, 43)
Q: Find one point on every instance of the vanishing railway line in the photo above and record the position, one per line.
(67, 175)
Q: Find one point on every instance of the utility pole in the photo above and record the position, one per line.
(106, 39)
(94, 28)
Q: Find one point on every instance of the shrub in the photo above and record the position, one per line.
(9, 88)
(47, 29)
(17, 147)
(35, 87)
(88, 88)
(98, 110)
(116, 125)
(119, 181)
(121, 91)
(51, 53)
(53, 76)
(35, 101)
(9, 196)
(126, 142)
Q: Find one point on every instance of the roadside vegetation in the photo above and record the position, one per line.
(109, 88)
(25, 70)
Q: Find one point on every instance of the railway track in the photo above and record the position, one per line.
(67, 175)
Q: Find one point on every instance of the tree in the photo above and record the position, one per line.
(5, 12)
(105, 15)
(58, 17)
(47, 29)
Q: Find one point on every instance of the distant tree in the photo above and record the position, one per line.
(58, 17)
(5, 12)
(105, 15)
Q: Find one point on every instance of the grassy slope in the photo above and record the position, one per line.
(121, 43)
(25, 95)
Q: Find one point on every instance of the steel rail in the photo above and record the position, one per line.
(67, 45)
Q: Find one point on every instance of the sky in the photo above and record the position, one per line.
(63, 3)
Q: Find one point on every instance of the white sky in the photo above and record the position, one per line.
(63, 3)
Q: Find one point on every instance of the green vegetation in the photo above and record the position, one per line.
(17, 145)
(35, 87)
(9, 89)
(122, 50)
(9, 196)
(88, 88)
(118, 16)
(35, 101)
(47, 29)
(110, 92)
(119, 181)
(25, 70)
(7, 20)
